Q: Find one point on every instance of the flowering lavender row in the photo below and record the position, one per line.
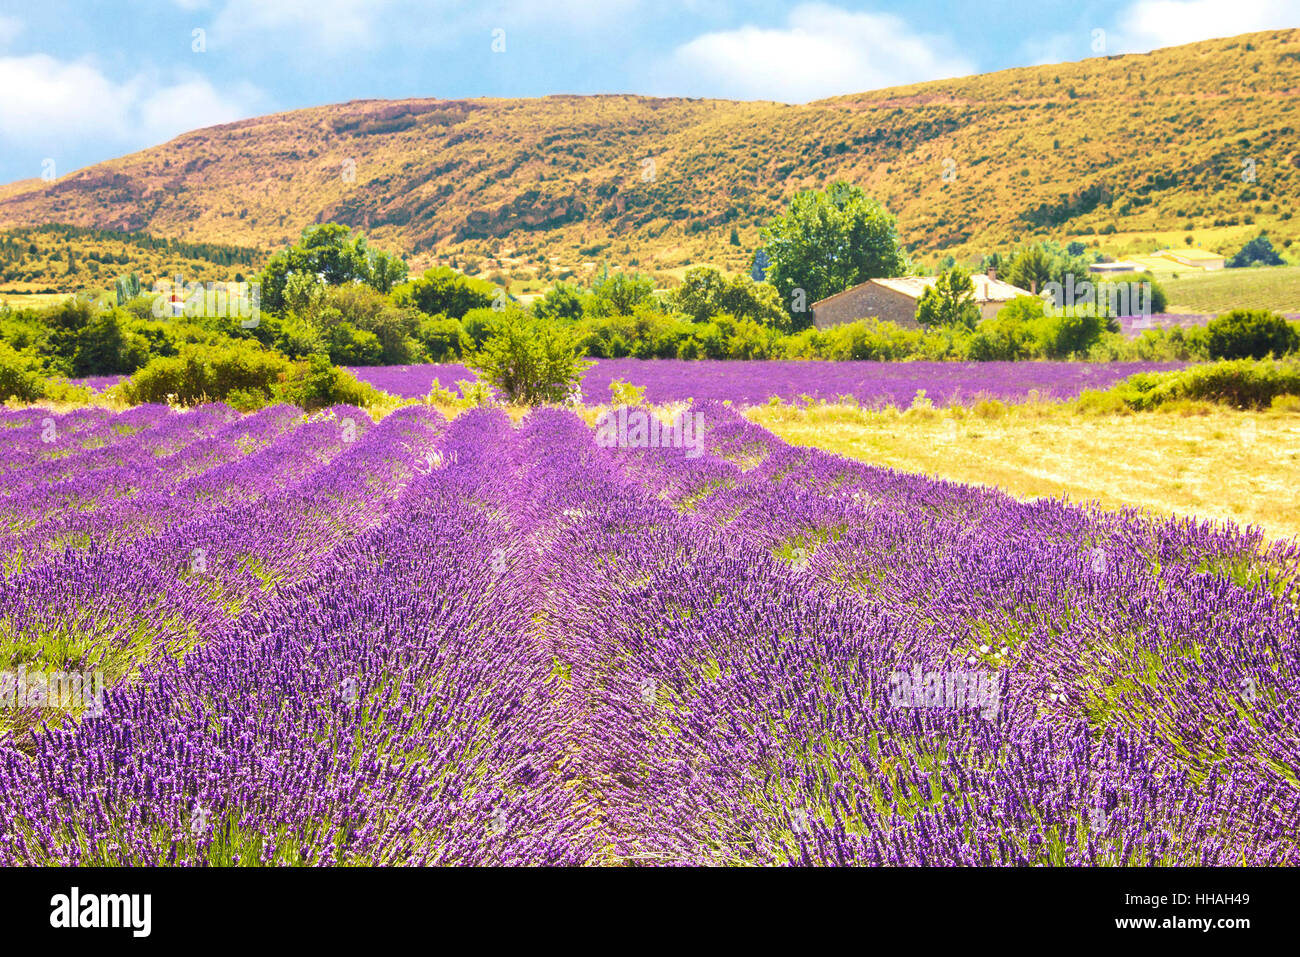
(474, 643)
(1146, 670)
(754, 382)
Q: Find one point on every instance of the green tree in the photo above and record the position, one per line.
(619, 293)
(1250, 334)
(1033, 267)
(333, 253)
(826, 242)
(530, 360)
(700, 294)
(443, 291)
(950, 302)
(562, 301)
(1259, 251)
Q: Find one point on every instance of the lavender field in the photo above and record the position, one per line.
(331, 641)
(754, 382)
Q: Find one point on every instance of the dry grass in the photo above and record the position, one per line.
(1200, 460)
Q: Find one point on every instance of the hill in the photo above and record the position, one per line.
(1110, 150)
(57, 259)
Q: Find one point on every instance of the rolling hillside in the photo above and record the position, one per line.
(1111, 150)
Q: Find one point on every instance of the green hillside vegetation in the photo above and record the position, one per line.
(59, 259)
(341, 301)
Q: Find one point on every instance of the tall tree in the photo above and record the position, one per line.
(829, 241)
(949, 302)
(332, 252)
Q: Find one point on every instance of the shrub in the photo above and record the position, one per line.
(645, 334)
(247, 377)
(209, 374)
(316, 384)
(1243, 383)
(1007, 336)
(477, 325)
(353, 347)
(624, 393)
(19, 378)
(442, 338)
(704, 293)
(529, 360)
(1250, 334)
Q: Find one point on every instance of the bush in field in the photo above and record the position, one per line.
(1250, 334)
(645, 334)
(727, 337)
(1008, 336)
(316, 384)
(208, 374)
(625, 393)
(1023, 328)
(1174, 344)
(704, 293)
(248, 377)
(530, 360)
(441, 338)
(19, 377)
(1243, 383)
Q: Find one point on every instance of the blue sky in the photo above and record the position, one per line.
(84, 82)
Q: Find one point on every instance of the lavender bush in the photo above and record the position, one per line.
(331, 641)
(750, 383)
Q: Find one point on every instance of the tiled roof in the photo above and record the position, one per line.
(986, 289)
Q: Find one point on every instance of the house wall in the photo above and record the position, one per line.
(864, 302)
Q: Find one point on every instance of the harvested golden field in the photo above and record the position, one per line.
(1216, 463)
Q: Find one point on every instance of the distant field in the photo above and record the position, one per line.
(31, 300)
(1264, 287)
(1226, 465)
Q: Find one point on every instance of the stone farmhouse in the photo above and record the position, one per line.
(894, 300)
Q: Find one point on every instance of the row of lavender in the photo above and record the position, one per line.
(1136, 680)
(755, 382)
(422, 642)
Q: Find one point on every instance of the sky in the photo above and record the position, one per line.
(84, 82)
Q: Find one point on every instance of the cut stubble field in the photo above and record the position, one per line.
(1220, 464)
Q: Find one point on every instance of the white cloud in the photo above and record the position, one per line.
(821, 51)
(1151, 24)
(47, 100)
(167, 111)
(307, 26)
